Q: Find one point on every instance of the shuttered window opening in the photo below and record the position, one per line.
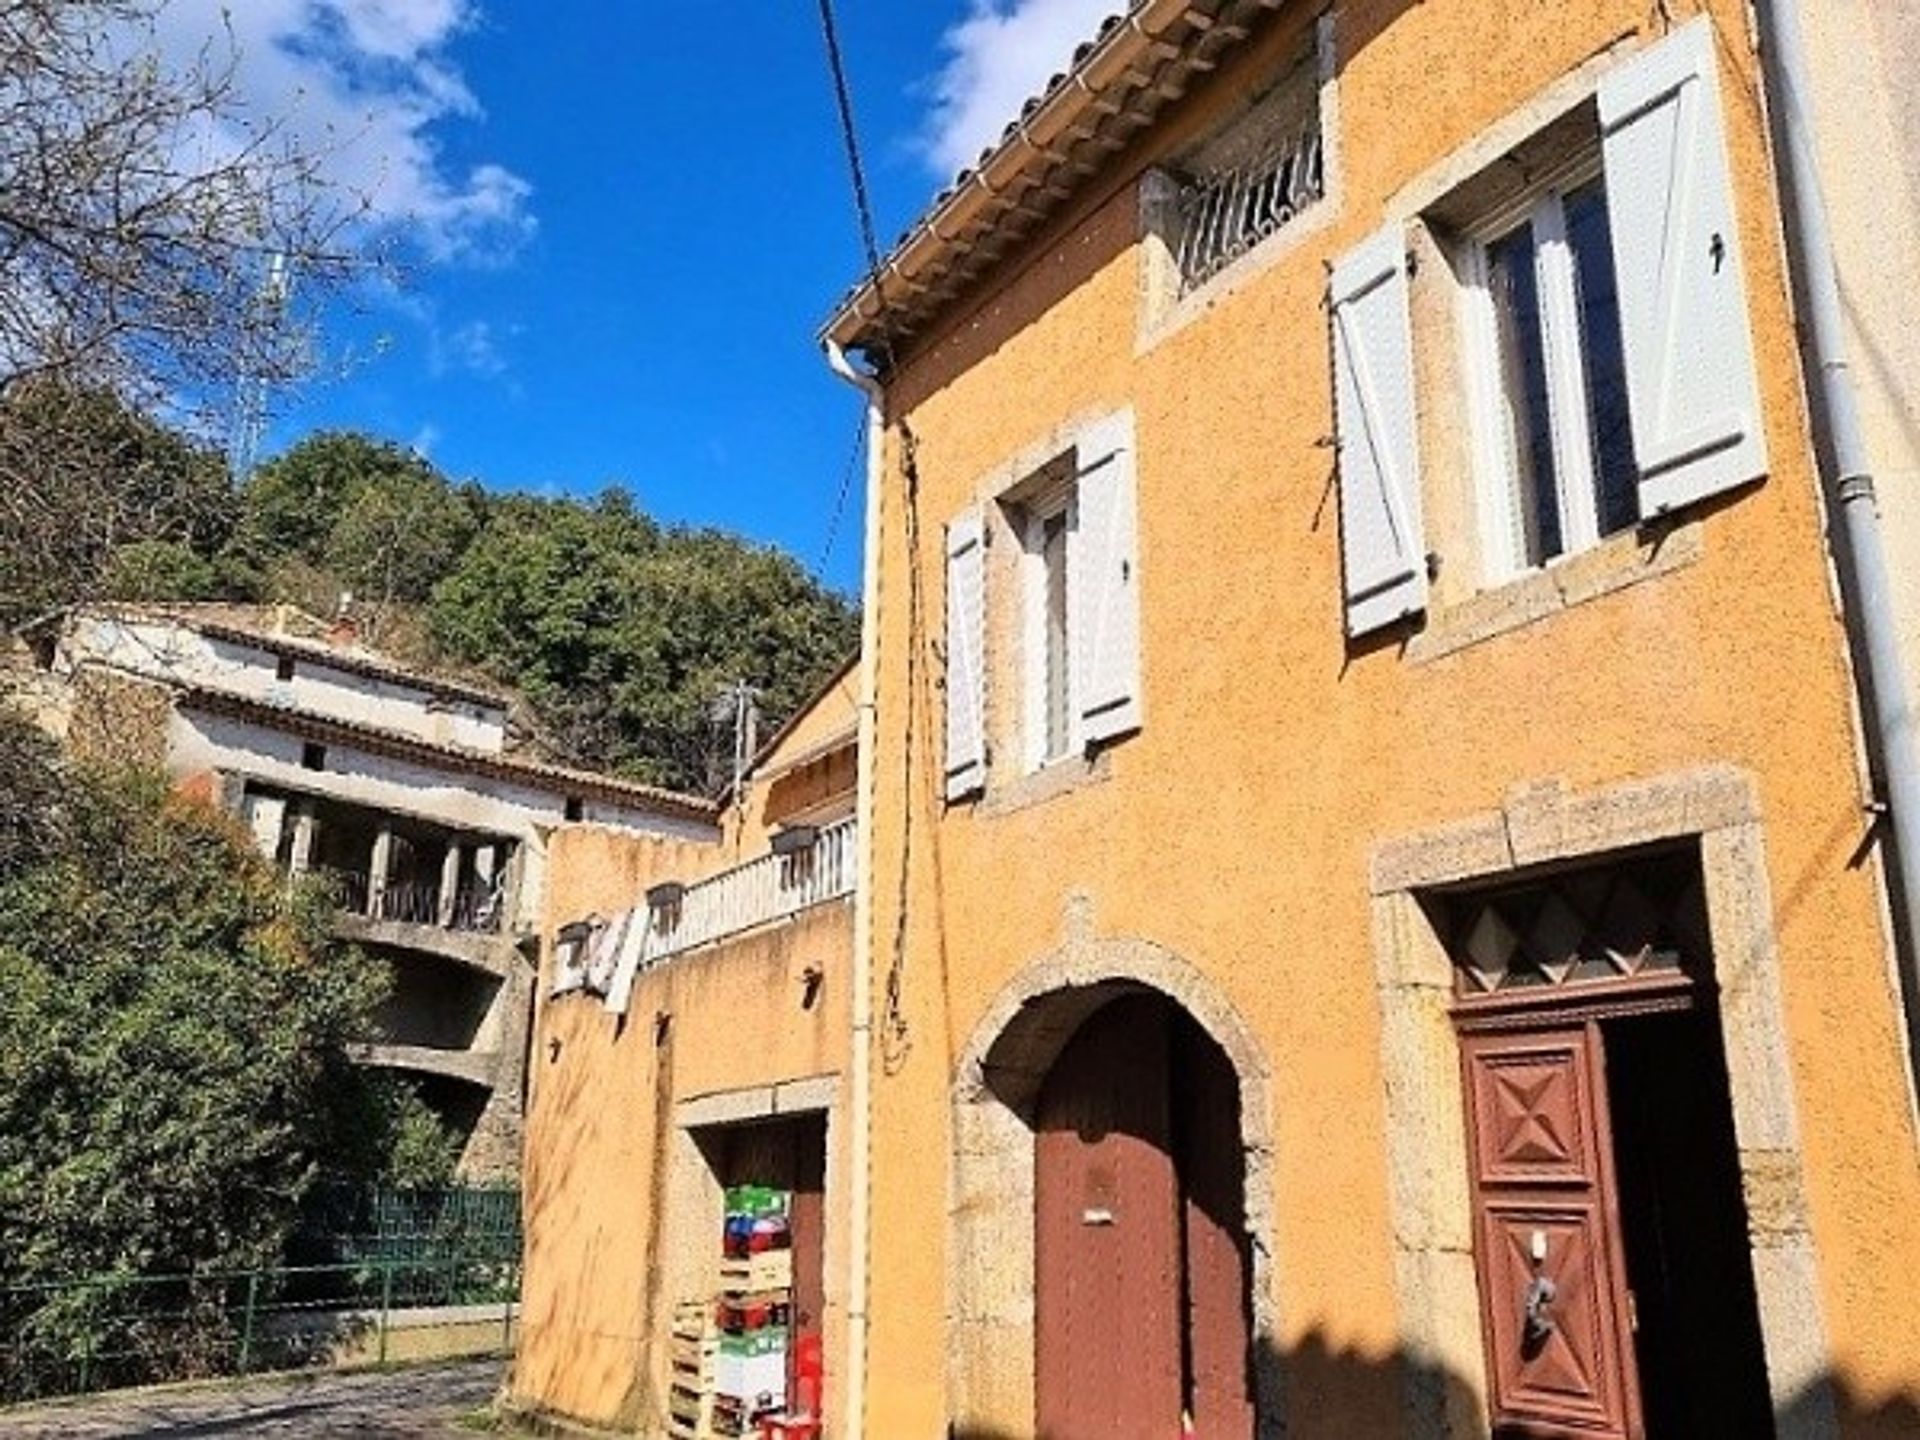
(1561, 471)
(1067, 599)
(1609, 356)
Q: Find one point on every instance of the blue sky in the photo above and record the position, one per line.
(625, 224)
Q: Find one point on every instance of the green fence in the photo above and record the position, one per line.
(343, 1297)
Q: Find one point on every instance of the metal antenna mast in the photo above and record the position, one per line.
(250, 406)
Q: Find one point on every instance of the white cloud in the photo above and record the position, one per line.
(470, 347)
(1002, 53)
(365, 84)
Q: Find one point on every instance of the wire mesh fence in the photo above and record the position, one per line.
(404, 1260)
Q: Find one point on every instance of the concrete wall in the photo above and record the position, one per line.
(1234, 837)
(1865, 55)
(176, 652)
(622, 1214)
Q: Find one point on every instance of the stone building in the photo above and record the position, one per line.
(1369, 909)
(399, 786)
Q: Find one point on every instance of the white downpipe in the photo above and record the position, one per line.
(860, 1059)
(1783, 52)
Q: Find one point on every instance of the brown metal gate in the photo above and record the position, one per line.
(1107, 1323)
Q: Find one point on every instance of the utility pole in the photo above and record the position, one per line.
(738, 707)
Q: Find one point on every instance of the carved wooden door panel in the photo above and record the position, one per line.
(1547, 1244)
(1107, 1235)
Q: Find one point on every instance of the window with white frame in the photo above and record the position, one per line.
(1070, 606)
(1609, 354)
(1549, 376)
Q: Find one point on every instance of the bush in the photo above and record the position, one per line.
(173, 1032)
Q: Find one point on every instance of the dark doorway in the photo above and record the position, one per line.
(1141, 1254)
(1695, 1318)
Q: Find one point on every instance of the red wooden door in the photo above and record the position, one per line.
(1547, 1242)
(1211, 1161)
(1107, 1235)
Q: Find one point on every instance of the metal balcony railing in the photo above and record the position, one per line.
(472, 907)
(770, 888)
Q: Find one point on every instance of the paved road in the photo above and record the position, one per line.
(418, 1404)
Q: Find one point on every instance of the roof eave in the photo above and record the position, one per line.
(1030, 147)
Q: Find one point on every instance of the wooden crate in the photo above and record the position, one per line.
(692, 1344)
(753, 1274)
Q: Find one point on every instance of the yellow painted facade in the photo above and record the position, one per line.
(1241, 829)
(621, 1205)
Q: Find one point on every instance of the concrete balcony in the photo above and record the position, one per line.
(486, 951)
(473, 1067)
(771, 888)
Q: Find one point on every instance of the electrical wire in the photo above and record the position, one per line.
(846, 489)
(896, 1038)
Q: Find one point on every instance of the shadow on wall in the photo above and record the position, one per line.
(1329, 1389)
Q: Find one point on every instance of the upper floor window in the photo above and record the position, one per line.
(1045, 524)
(1062, 612)
(1552, 380)
(1228, 206)
(1251, 178)
(1606, 355)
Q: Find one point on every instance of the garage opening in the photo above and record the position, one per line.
(759, 1320)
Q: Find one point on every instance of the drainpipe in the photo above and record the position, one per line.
(860, 1059)
(1783, 53)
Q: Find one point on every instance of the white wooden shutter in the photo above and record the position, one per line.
(966, 749)
(1383, 549)
(635, 953)
(1683, 300)
(1103, 603)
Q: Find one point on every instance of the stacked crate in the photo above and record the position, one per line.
(755, 1309)
(695, 1343)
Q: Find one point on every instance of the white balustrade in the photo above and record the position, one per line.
(773, 887)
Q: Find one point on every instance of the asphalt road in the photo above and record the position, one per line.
(426, 1403)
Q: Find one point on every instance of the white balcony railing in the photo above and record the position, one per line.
(757, 893)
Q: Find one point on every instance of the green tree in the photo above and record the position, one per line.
(620, 632)
(173, 1024)
(344, 512)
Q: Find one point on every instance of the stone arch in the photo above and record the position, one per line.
(997, 1079)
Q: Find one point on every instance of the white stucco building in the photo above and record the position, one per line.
(399, 785)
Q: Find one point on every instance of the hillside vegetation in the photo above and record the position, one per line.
(618, 631)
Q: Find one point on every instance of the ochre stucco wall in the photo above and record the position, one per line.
(807, 766)
(1236, 828)
(603, 1140)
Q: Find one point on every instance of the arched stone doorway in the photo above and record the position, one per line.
(1111, 1174)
